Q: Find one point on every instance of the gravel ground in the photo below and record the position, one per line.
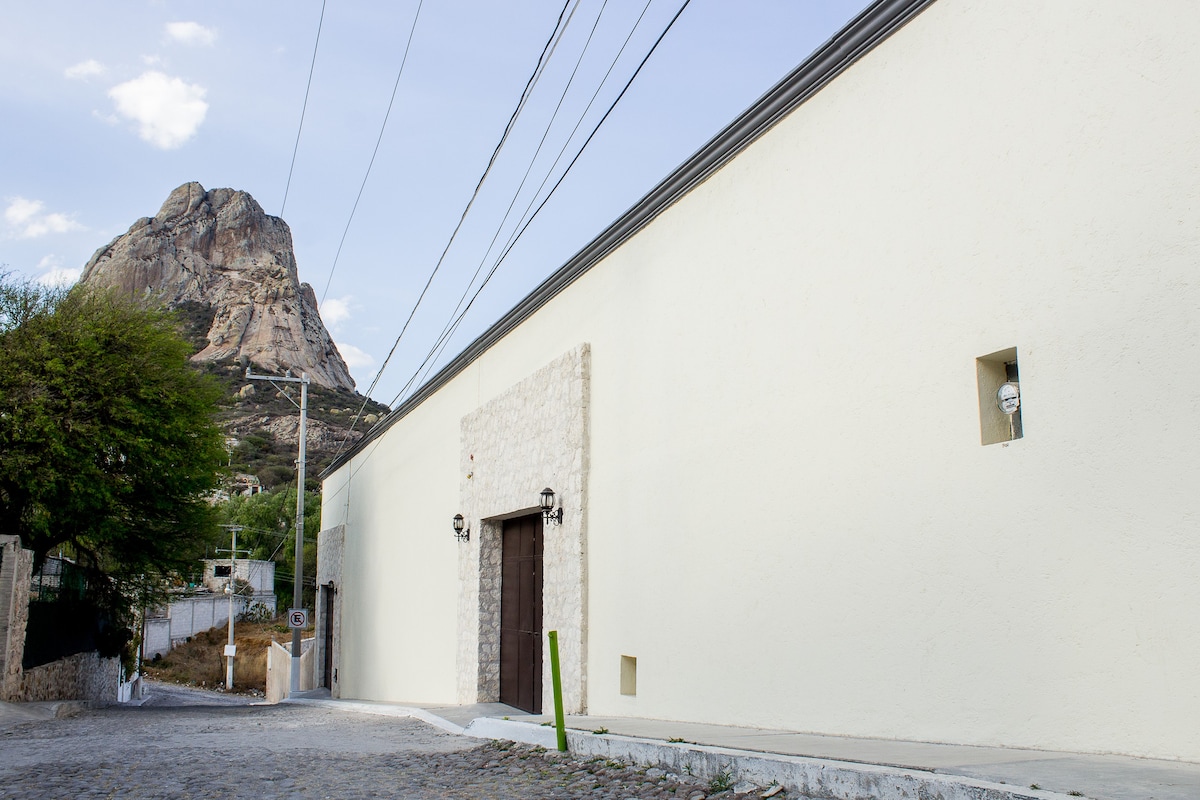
(296, 751)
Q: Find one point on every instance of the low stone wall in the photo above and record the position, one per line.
(84, 676)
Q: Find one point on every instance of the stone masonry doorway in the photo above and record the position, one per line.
(532, 435)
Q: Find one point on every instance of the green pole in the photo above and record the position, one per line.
(556, 677)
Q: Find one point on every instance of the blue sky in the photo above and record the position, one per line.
(107, 107)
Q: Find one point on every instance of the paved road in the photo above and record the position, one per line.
(226, 748)
(166, 694)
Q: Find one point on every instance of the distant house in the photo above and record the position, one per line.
(244, 485)
(876, 418)
(255, 578)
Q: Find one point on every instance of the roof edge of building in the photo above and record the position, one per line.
(873, 25)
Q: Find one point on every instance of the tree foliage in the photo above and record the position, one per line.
(268, 521)
(108, 447)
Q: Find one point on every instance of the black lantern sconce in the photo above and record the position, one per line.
(461, 532)
(546, 501)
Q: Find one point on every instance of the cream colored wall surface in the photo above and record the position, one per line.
(791, 520)
(399, 585)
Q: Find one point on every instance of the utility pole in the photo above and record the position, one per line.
(231, 648)
(298, 584)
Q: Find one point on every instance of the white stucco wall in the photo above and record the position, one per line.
(398, 591)
(791, 520)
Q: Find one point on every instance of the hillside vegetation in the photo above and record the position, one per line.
(246, 414)
(199, 662)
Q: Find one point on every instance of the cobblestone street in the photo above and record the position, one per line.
(294, 751)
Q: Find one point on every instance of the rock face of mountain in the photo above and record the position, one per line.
(218, 250)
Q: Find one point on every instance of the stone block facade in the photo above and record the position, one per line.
(16, 570)
(532, 436)
(83, 676)
(331, 544)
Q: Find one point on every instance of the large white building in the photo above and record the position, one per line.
(765, 399)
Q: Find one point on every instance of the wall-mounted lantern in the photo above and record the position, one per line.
(461, 531)
(546, 501)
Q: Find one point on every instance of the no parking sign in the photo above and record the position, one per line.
(297, 618)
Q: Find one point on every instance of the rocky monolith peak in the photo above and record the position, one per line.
(221, 250)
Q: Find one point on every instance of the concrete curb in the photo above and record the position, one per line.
(819, 779)
(815, 778)
(14, 713)
(808, 777)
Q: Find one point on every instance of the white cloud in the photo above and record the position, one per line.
(54, 274)
(354, 357)
(167, 110)
(84, 69)
(336, 310)
(191, 33)
(20, 210)
(30, 220)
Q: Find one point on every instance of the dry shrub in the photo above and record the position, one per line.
(201, 662)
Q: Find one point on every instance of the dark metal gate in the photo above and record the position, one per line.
(327, 620)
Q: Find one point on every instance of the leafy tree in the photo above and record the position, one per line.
(269, 533)
(108, 448)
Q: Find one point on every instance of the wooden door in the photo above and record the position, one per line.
(521, 614)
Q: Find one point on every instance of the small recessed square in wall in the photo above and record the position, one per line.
(999, 397)
(628, 675)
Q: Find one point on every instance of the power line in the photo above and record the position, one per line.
(475, 194)
(443, 338)
(311, 68)
(529, 221)
(375, 152)
(533, 159)
(512, 243)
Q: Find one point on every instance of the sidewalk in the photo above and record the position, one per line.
(16, 713)
(831, 767)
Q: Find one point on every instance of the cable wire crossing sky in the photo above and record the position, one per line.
(376, 122)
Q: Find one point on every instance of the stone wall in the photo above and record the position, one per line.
(534, 435)
(156, 637)
(83, 676)
(331, 544)
(16, 570)
(188, 616)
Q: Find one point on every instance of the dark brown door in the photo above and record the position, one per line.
(521, 614)
(327, 677)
